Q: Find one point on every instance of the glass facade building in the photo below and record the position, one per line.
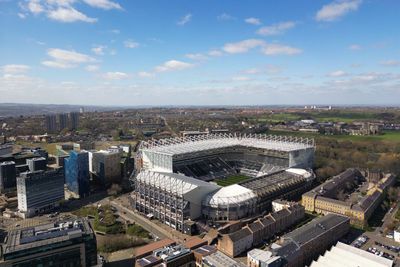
(77, 177)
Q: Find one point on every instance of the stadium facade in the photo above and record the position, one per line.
(175, 178)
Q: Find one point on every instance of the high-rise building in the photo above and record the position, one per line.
(64, 243)
(51, 123)
(106, 165)
(62, 121)
(74, 120)
(76, 168)
(7, 176)
(37, 164)
(39, 191)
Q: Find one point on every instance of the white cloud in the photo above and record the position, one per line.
(252, 71)
(59, 10)
(145, 74)
(242, 46)
(390, 63)
(215, 53)
(337, 73)
(57, 64)
(337, 9)
(69, 14)
(196, 56)
(173, 65)
(275, 29)
(224, 17)
(35, 7)
(92, 68)
(115, 31)
(254, 21)
(64, 59)
(113, 52)
(355, 47)
(185, 19)
(99, 50)
(15, 68)
(21, 15)
(103, 4)
(131, 44)
(115, 75)
(241, 78)
(278, 49)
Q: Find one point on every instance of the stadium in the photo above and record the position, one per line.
(219, 177)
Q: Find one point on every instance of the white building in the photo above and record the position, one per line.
(348, 256)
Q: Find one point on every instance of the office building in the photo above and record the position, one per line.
(64, 243)
(51, 123)
(8, 176)
(73, 120)
(76, 169)
(37, 164)
(349, 256)
(39, 192)
(62, 121)
(106, 165)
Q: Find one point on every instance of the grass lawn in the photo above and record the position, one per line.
(234, 179)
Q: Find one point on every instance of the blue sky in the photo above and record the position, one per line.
(225, 52)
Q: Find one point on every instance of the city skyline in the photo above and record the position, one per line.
(127, 53)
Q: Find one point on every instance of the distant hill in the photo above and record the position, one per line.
(15, 109)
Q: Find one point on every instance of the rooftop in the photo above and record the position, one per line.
(349, 256)
(41, 235)
(218, 259)
(148, 249)
(189, 144)
(315, 228)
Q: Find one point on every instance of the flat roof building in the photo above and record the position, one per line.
(219, 259)
(39, 191)
(64, 243)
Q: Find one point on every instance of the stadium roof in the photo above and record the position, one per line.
(348, 256)
(172, 182)
(230, 195)
(191, 144)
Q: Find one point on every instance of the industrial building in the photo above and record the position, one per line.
(64, 243)
(175, 177)
(39, 192)
(301, 246)
(77, 177)
(349, 256)
(8, 176)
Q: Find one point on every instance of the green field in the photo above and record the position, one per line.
(234, 179)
